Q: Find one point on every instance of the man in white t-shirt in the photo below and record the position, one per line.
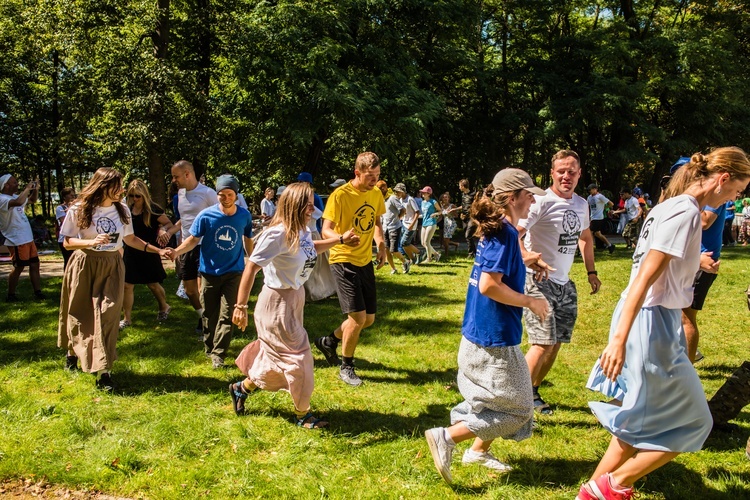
(409, 222)
(633, 212)
(597, 203)
(558, 223)
(192, 198)
(18, 236)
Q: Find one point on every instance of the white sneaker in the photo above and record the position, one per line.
(486, 459)
(442, 451)
(181, 291)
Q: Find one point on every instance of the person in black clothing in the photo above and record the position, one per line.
(467, 198)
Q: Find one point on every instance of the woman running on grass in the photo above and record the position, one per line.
(281, 359)
(660, 408)
(492, 373)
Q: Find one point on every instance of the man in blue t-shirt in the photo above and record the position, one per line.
(225, 230)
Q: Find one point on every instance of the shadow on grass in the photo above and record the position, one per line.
(733, 438)
(135, 384)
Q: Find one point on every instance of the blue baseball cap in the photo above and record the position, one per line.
(305, 177)
(683, 160)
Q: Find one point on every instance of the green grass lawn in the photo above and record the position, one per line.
(171, 431)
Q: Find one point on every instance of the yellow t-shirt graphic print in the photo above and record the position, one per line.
(350, 208)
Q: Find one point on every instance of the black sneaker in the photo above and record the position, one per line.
(38, 295)
(323, 345)
(541, 406)
(611, 248)
(238, 398)
(348, 375)
(12, 297)
(105, 383)
(71, 363)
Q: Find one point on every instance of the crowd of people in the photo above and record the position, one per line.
(523, 241)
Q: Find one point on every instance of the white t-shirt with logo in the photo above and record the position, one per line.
(13, 222)
(597, 202)
(191, 203)
(553, 228)
(105, 220)
(282, 268)
(412, 211)
(672, 227)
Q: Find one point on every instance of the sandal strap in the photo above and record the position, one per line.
(309, 421)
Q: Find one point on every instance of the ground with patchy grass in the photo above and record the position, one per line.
(171, 432)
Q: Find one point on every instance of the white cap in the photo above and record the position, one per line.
(3, 180)
(280, 190)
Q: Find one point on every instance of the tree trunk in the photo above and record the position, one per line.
(160, 39)
(315, 152)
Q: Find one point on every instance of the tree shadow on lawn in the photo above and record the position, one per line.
(716, 371)
(733, 438)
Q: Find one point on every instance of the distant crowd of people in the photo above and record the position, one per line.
(523, 241)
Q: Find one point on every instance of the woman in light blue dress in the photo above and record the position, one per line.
(659, 408)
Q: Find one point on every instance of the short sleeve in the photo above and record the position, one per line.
(270, 243)
(4, 201)
(69, 226)
(672, 234)
(495, 256)
(331, 211)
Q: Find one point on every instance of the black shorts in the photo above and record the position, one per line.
(597, 225)
(393, 239)
(189, 263)
(702, 284)
(355, 287)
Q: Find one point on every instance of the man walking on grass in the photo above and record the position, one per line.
(17, 232)
(597, 203)
(192, 197)
(357, 206)
(558, 223)
(221, 233)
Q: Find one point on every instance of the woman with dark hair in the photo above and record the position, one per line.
(281, 359)
(96, 227)
(493, 376)
(150, 224)
(658, 408)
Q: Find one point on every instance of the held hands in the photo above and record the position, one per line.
(708, 264)
(533, 260)
(163, 238)
(612, 360)
(165, 252)
(170, 253)
(351, 238)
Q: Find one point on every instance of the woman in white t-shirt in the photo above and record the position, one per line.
(96, 227)
(659, 408)
(267, 206)
(281, 358)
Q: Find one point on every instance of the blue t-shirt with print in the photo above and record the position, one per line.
(428, 208)
(222, 248)
(486, 322)
(711, 238)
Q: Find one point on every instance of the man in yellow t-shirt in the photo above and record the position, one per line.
(357, 206)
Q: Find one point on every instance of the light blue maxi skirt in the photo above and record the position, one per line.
(663, 407)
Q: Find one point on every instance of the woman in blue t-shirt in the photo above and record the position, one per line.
(430, 215)
(493, 376)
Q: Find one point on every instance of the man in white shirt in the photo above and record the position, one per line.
(18, 236)
(632, 211)
(558, 223)
(597, 203)
(192, 198)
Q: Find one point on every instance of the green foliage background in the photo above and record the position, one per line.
(441, 89)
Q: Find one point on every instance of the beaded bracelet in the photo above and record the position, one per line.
(240, 306)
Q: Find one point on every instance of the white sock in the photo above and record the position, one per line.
(448, 437)
(200, 312)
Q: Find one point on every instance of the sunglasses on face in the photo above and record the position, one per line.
(136, 196)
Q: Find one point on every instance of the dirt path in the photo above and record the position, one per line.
(50, 268)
